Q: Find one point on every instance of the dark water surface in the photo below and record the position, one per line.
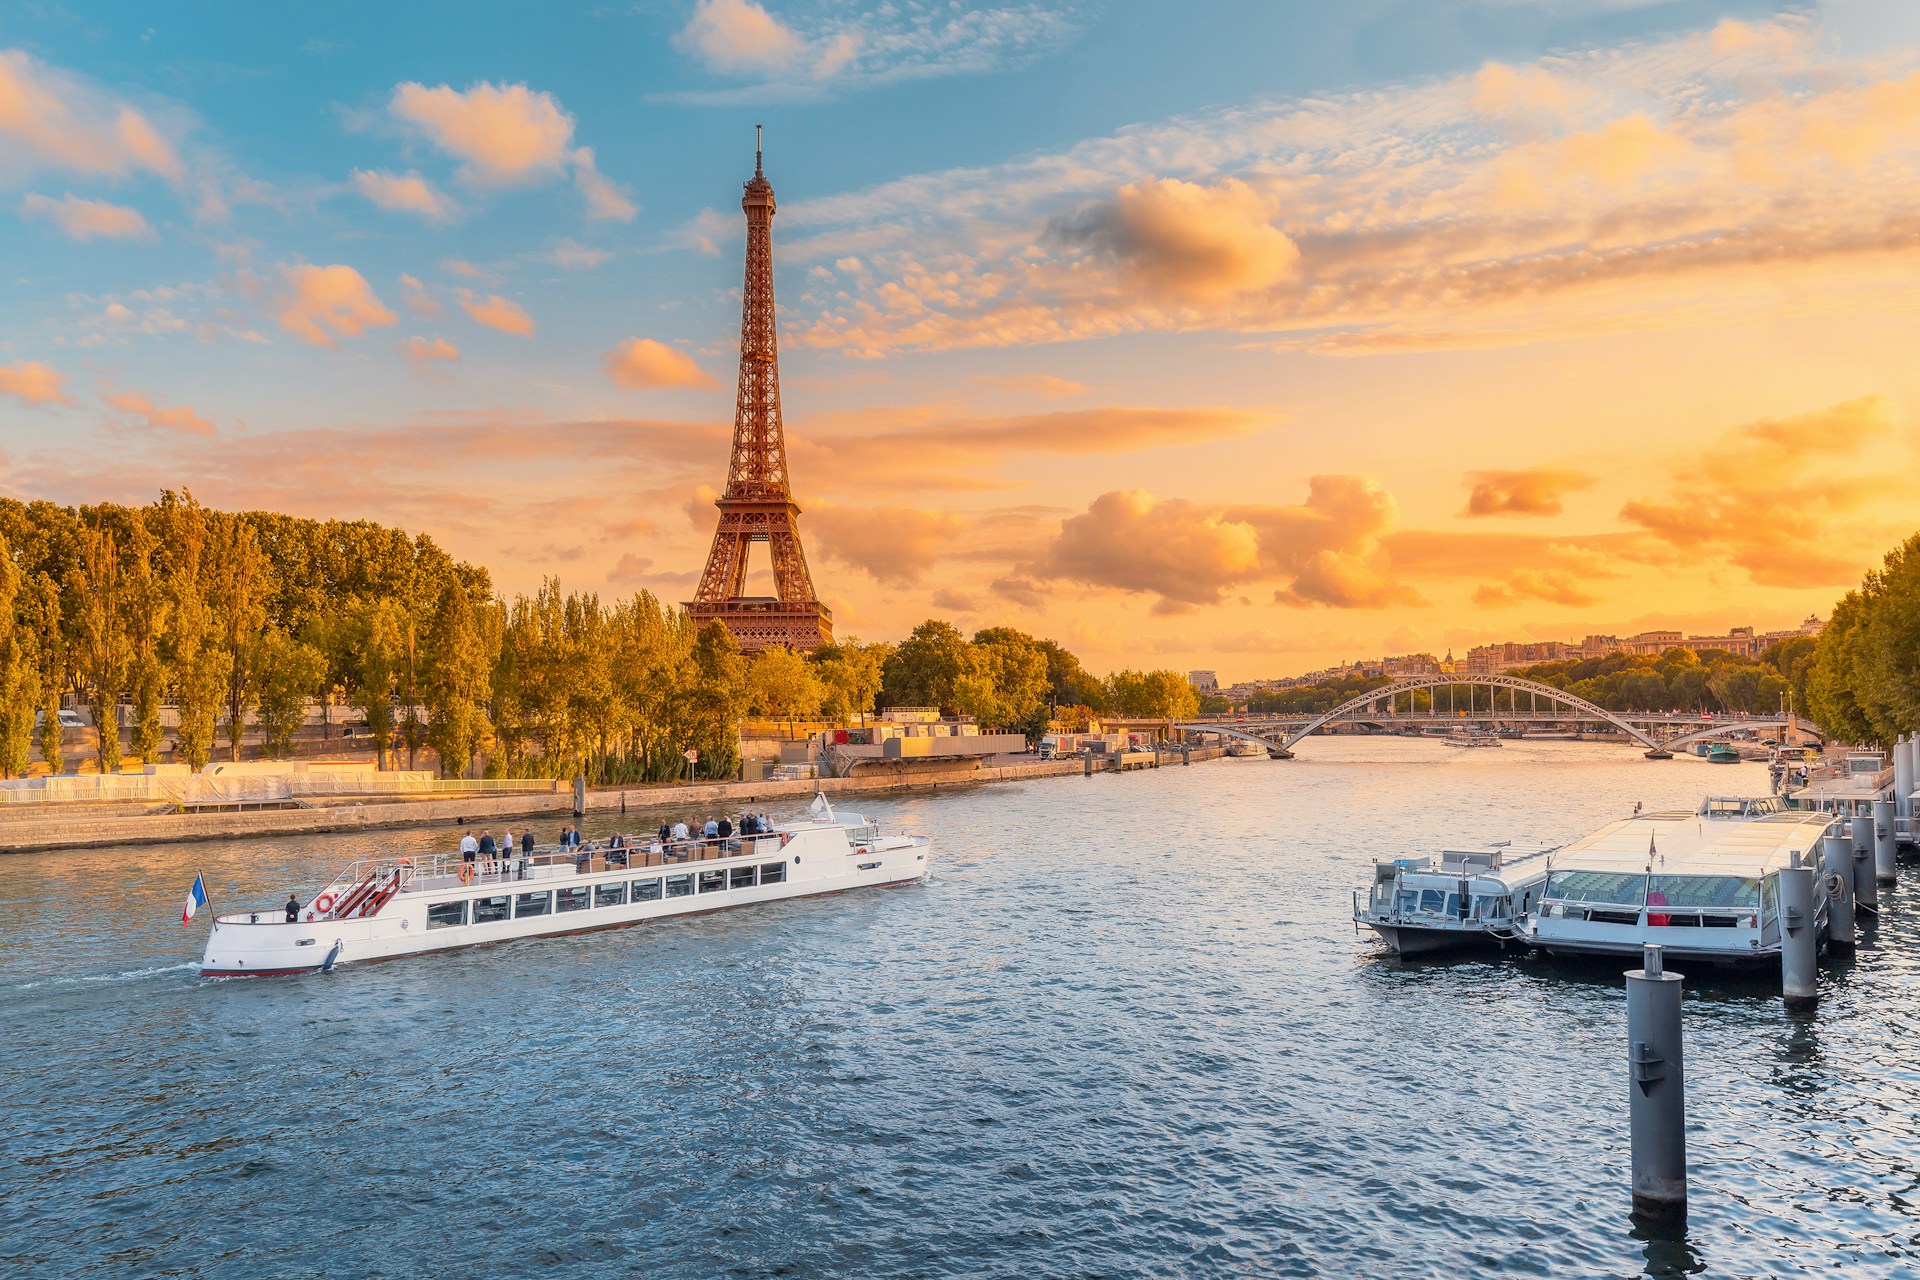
(1125, 1030)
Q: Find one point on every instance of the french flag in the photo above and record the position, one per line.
(196, 899)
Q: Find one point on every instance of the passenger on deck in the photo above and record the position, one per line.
(293, 909)
(725, 832)
(712, 829)
(666, 834)
(489, 850)
(749, 825)
(526, 842)
(469, 847)
(680, 832)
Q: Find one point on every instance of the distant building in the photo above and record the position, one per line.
(1204, 682)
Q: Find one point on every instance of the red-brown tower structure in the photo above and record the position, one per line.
(757, 505)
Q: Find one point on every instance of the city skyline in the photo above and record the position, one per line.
(1266, 341)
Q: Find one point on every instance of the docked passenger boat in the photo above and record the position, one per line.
(381, 909)
(1464, 898)
(1242, 749)
(1704, 885)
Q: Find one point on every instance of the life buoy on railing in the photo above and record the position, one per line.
(403, 864)
(323, 903)
(467, 873)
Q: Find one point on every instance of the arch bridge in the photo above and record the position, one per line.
(1657, 732)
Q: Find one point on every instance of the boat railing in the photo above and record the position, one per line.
(513, 866)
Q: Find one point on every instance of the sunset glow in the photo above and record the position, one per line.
(1297, 334)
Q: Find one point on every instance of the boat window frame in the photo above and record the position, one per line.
(684, 880)
(706, 876)
(506, 908)
(582, 893)
(778, 872)
(637, 890)
(734, 873)
(619, 887)
(520, 899)
(460, 903)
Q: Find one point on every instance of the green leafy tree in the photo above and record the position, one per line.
(458, 682)
(782, 685)
(922, 672)
(718, 698)
(50, 650)
(287, 672)
(103, 650)
(237, 590)
(19, 674)
(373, 634)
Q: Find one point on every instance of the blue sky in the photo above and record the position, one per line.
(474, 269)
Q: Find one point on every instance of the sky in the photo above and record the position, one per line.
(1248, 336)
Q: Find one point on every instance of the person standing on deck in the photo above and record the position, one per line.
(489, 851)
(469, 847)
(293, 909)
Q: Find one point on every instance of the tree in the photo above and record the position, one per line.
(851, 674)
(781, 684)
(1015, 666)
(44, 614)
(144, 598)
(718, 700)
(286, 673)
(237, 589)
(372, 636)
(922, 671)
(19, 677)
(458, 682)
(103, 642)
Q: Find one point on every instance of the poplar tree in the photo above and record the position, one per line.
(19, 681)
(198, 665)
(103, 641)
(144, 601)
(237, 587)
(50, 654)
(458, 682)
(286, 671)
(373, 636)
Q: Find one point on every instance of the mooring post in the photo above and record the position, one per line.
(1839, 882)
(1883, 869)
(1657, 1088)
(1799, 940)
(579, 795)
(1186, 752)
(1903, 776)
(1866, 889)
(1086, 756)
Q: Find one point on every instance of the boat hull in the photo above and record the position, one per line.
(1423, 940)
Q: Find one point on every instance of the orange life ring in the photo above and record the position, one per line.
(467, 873)
(323, 903)
(403, 862)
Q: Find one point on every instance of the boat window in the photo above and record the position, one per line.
(446, 915)
(1620, 887)
(488, 910)
(1693, 892)
(532, 904)
(773, 872)
(575, 897)
(712, 881)
(647, 890)
(740, 878)
(679, 886)
(1434, 900)
(1406, 900)
(610, 895)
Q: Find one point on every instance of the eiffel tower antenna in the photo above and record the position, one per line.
(758, 506)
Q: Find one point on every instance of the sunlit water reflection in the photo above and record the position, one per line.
(1127, 1029)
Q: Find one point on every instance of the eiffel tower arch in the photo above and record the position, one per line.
(758, 506)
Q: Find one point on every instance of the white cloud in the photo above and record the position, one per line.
(405, 193)
(50, 119)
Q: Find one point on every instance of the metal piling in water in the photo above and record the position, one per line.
(1657, 1089)
(1883, 865)
(1840, 916)
(1799, 939)
(1866, 887)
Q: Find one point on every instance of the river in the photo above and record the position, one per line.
(1126, 1029)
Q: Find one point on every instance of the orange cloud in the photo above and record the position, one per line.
(1039, 384)
(1177, 550)
(427, 354)
(83, 219)
(1781, 498)
(35, 384)
(642, 363)
(896, 545)
(1534, 584)
(57, 121)
(415, 298)
(738, 36)
(1521, 493)
(322, 304)
(507, 134)
(404, 193)
(497, 312)
(1187, 241)
(181, 419)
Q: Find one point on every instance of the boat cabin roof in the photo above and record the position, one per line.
(1689, 844)
(1493, 867)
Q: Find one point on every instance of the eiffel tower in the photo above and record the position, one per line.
(757, 505)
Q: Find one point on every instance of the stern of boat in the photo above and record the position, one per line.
(258, 945)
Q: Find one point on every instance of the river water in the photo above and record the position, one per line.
(1126, 1029)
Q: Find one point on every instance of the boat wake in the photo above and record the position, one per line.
(88, 979)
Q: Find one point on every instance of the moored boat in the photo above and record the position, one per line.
(1463, 898)
(381, 909)
(1243, 749)
(1704, 885)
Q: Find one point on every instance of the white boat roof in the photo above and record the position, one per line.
(1689, 844)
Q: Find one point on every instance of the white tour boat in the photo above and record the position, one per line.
(1243, 749)
(381, 909)
(1704, 885)
(1473, 738)
(1466, 897)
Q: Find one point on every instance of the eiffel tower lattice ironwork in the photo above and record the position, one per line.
(757, 505)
